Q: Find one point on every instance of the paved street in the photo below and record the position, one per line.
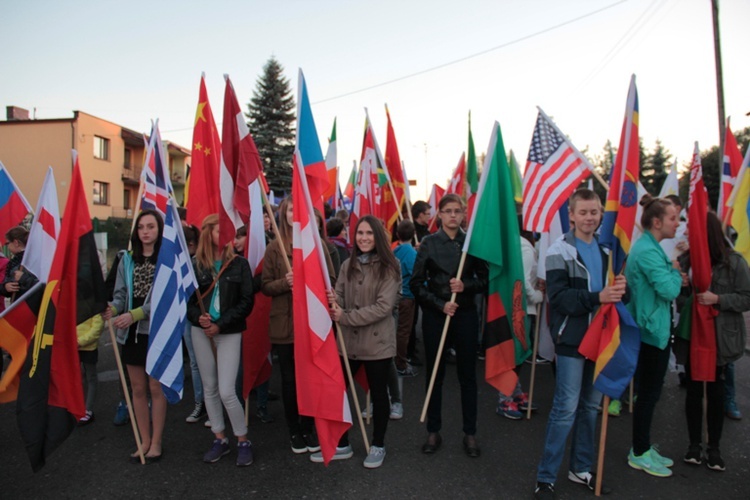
(93, 462)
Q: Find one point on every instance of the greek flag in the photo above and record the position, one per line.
(174, 283)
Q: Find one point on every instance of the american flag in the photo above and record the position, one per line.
(155, 178)
(553, 171)
(175, 281)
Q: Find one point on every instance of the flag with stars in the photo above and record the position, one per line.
(157, 187)
(554, 169)
(203, 199)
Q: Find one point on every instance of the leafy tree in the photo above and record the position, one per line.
(271, 115)
(654, 169)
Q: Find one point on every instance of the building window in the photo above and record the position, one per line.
(101, 193)
(126, 199)
(101, 148)
(128, 158)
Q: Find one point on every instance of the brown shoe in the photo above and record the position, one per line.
(470, 446)
(432, 444)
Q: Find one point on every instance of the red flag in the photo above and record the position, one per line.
(435, 196)
(731, 168)
(321, 392)
(203, 199)
(364, 196)
(240, 166)
(703, 328)
(16, 328)
(457, 184)
(50, 396)
(393, 162)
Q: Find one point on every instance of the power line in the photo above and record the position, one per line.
(476, 54)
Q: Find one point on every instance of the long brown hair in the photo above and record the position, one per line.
(204, 254)
(285, 230)
(135, 240)
(718, 247)
(388, 261)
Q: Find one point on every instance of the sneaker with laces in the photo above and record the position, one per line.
(244, 454)
(587, 479)
(615, 407)
(544, 490)
(312, 442)
(218, 450)
(375, 457)
(714, 460)
(87, 418)
(694, 455)
(342, 453)
(397, 411)
(666, 462)
(648, 464)
(263, 415)
(409, 371)
(522, 401)
(299, 445)
(122, 416)
(732, 411)
(198, 412)
(509, 409)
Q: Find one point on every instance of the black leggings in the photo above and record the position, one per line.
(377, 379)
(714, 408)
(297, 424)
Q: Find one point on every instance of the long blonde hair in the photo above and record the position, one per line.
(204, 253)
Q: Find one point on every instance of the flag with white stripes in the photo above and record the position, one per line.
(175, 282)
(155, 176)
(553, 171)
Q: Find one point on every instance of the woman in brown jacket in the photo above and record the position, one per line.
(366, 300)
(277, 283)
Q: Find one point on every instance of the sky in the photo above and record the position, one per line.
(431, 62)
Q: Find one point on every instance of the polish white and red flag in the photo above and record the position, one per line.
(554, 169)
(256, 345)
(45, 229)
(240, 166)
(321, 391)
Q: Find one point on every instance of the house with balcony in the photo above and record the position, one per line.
(111, 158)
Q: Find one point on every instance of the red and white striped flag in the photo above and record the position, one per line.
(240, 166)
(553, 171)
(321, 391)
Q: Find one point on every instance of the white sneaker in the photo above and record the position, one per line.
(367, 412)
(342, 453)
(374, 458)
(207, 423)
(397, 411)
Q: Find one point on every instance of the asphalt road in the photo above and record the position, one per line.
(93, 462)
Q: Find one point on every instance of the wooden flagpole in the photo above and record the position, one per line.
(128, 402)
(441, 345)
(352, 388)
(602, 447)
(533, 359)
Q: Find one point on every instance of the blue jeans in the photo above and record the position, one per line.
(195, 374)
(574, 408)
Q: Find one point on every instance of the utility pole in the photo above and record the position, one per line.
(719, 80)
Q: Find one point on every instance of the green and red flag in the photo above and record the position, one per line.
(472, 175)
(50, 395)
(494, 236)
(332, 167)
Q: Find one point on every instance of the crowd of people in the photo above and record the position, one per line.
(381, 285)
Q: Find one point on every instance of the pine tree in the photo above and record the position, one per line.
(654, 169)
(271, 115)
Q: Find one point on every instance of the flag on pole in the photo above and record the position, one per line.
(332, 165)
(13, 205)
(175, 280)
(256, 345)
(435, 196)
(457, 184)
(45, 228)
(472, 176)
(50, 396)
(671, 184)
(613, 339)
(739, 202)
(702, 325)
(731, 167)
(240, 166)
(351, 182)
(383, 203)
(364, 191)
(553, 171)
(494, 236)
(321, 392)
(516, 178)
(203, 200)
(157, 187)
(394, 164)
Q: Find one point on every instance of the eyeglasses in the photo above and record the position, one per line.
(457, 211)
